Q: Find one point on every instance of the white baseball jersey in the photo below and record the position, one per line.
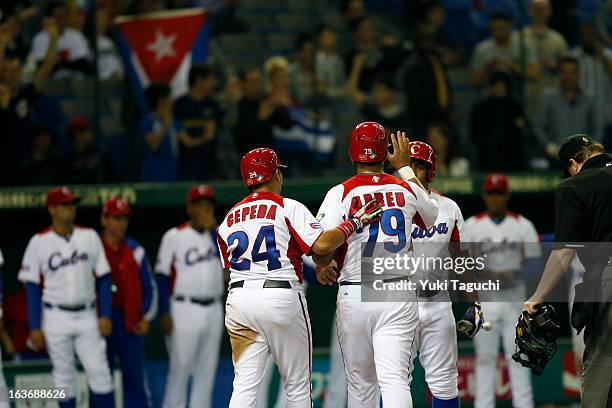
(506, 243)
(264, 237)
(66, 264)
(448, 228)
(190, 258)
(402, 201)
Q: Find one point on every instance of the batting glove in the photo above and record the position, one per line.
(472, 320)
(364, 216)
(367, 214)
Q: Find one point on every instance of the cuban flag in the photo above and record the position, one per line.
(162, 47)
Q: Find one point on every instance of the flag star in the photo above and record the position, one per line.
(162, 46)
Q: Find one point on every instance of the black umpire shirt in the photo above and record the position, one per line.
(584, 208)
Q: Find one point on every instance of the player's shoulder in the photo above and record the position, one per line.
(477, 218)
(519, 218)
(132, 243)
(42, 233)
(176, 230)
(375, 181)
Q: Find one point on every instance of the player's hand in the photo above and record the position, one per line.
(533, 304)
(141, 328)
(367, 214)
(474, 318)
(328, 274)
(165, 323)
(37, 338)
(106, 326)
(401, 150)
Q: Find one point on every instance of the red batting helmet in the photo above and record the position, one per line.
(258, 166)
(424, 152)
(368, 143)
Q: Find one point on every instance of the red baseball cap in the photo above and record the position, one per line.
(78, 124)
(495, 183)
(61, 195)
(116, 207)
(200, 192)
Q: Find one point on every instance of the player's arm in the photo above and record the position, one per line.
(163, 267)
(29, 274)
(105, 284)
(149, 291)
(302, 224)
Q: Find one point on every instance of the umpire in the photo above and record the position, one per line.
(583, 225)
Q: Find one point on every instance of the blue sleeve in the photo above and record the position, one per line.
(163, 287)
(146, 125)
(532, 268)
(308, 272)
(105, 295)
(34, 307)
(149, 290)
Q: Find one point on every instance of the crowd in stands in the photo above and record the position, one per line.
(490, 84)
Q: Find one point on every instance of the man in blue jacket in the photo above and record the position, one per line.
(134, 301)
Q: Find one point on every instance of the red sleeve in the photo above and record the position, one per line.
(223, 251)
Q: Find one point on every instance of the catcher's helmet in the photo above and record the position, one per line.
(258, 166)
(535, 338)
(424, 152)
(368, 143)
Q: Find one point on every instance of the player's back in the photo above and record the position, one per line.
(401, 202)
(264, 237)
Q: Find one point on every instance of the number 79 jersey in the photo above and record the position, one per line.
(402, 201)
(264, 237)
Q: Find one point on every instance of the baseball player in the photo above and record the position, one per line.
(261, 241)
(190, 281)
(437, 339)
(134, 301)
(499, 231)
(376, 338)
(67, 257)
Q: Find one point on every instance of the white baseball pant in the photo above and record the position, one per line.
(193, 347)
(377, 341)
(263, 396)
(504, 316)
(268, 321)
(437, 346)
(336, 391)
(68, 332)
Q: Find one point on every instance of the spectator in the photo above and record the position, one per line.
(274, 109)
(383, 106)
(160, 131)
(443, 139)
(44, 165)
(595, 61)
(109, 62)
(248, 130)
(497, 125)
(72, 46)
(200, 116)
(549, 46)
(329, 66)
(564, 110)
(11, 39)
(303, 84)
(502, 52)
(428, 88)
(378, 59)
(83, 160)
(17, 104)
